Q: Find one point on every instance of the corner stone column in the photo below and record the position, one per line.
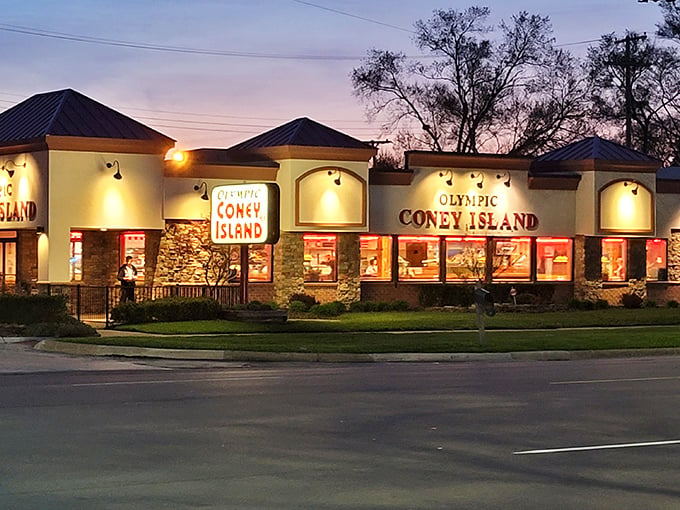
(584, 289)
(674, 257)
(349, 278)
(288, 269)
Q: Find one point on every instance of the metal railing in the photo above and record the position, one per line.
(94, 303)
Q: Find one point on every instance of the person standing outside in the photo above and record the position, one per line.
(127, 274)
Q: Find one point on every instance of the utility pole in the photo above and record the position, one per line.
(629, 84)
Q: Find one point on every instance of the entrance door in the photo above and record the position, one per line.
(8, 261)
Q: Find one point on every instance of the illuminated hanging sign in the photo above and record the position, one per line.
(245, 214)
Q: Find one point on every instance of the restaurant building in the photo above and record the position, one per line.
(83, 186)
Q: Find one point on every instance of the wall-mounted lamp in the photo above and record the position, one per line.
(480, 176)
(111, 164)
(449, 174)
(202, 186)
(634, 191)
(39, 230)
(506, 176)
(9, 166)
(337, 179)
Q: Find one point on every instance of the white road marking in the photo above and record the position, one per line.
(597, 447)
(607, 381)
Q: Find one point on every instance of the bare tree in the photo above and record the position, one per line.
(515, 94)
(648, 76)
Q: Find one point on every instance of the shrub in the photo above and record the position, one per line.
(601, 304)
(358, 306)
(651, 304)
(67, 327)
(446, 295)
(399, 306)
(166, 310)
(631, 301)
(526, 298)
(297, 307)
(306, 299)
(328, 310)
(672, 304)
(588, 305)
(339, 306)
(575, 304)
(130, 313)
(31, 309)
(258, 306)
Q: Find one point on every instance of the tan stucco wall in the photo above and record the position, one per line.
(555, 209)
(84, 195)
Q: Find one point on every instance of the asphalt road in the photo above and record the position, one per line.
(343, 436)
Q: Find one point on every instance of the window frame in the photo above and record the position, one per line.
(570, 258)
(314, 271)
(404, 263)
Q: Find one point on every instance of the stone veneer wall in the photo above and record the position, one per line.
(674, 257)
(349, 277)
(289, 272)
(288, 269)
(178, 257)
(583, 289)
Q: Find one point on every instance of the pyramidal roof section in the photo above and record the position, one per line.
(70, 113)
(302, 132)
(593, 148)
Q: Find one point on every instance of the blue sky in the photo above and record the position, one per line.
(218, 100)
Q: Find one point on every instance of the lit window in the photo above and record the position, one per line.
(260, 263)
(465, 258)
(75, 260)
(614, 260)
(656, 259)
(376, 257)
(132, 245)
(418, 258)
(553, 259)
(512, 259)
(320, 257)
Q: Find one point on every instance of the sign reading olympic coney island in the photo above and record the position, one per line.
(245, 214)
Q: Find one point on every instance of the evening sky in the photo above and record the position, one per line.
(211, 73)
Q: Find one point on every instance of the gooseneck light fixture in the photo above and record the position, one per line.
(506, 176)
(480, 176)
(111, 164)
(9, 166)
(449, 174)
(634, 191)
(202, 186)
(337, 179)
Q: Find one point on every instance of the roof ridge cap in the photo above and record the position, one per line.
(58, 109)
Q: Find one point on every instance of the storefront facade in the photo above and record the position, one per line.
(592, 220)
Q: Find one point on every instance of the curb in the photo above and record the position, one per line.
(56, 346)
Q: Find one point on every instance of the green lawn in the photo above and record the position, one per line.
(430, 331)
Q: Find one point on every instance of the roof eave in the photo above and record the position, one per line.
(283, 152)
(457, 160)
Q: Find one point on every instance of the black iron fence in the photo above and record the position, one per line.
(93, 303)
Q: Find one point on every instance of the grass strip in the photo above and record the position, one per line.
(416, 342)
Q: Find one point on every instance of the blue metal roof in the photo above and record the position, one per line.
(594, 147)
(671, 173)
(302, 132)
(69, 113)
